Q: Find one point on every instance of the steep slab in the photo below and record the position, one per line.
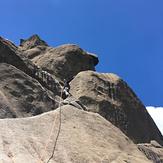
(112, 98)
(84, 138)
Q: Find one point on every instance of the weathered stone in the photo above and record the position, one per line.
(31, 83)
(152, 151)
(112, 98)
(22, 95)
(74, 102)
(64, 61)
(5, 107)
(84, 137)
(11, 55)
(32, 42)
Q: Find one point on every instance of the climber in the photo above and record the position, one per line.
(66, 88)
(49, 78)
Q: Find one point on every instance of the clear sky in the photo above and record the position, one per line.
(127, 35)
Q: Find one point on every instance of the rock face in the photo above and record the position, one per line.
(64, 61)
(24, 140)
(10, 54)
(32, 42)
(112, 98)
(31, 83)
(153, 151)
(6, 109)
(23, 95)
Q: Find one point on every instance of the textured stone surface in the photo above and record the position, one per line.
(64, 61)
(32, 42)
(22, 95)
(6, 109)
(112, 98)
(74, 102)
(10, 54)
(30, 83)
(24, 139)
(153, 151)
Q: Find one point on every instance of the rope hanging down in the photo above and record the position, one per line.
(51, 132)
(60, 121)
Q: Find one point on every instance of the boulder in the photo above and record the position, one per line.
(10, 54)
(111, 97)
(21, 95)
(31, 140)
(64, 61)
(31, 42)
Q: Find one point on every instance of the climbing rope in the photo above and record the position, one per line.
(60, 122)
(51, 132)
(41, 160)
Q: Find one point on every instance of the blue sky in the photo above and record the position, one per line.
(127, 35)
